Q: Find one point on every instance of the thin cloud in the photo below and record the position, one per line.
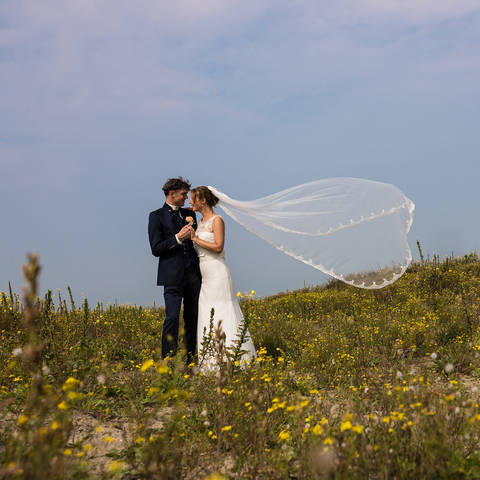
(80, 72)
(416, 11)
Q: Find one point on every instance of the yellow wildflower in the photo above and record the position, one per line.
(317, 429)
(22, 419)
(74, 395)
(115, 466)
(71, 382)
(345, 426)
(146, 365)
(152, 390)
(216, 476)
(357, 429)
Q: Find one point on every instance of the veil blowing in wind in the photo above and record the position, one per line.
(352, 229)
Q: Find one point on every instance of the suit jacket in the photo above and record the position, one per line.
(173, 258)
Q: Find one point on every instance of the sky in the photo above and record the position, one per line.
(103, 100)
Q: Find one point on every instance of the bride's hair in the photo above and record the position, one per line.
(204, 193)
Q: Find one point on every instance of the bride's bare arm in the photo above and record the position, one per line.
(218, 237)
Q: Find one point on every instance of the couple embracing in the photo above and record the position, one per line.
(192, 268)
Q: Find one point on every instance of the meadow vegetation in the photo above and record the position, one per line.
(348, 383)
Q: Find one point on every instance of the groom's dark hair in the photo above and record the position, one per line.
(178, 183)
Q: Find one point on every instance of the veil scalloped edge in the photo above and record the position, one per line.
(357, 232)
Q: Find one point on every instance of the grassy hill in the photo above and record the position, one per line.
(348, 383)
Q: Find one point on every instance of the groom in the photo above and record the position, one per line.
(178, 267)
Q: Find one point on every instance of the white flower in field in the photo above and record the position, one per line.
(206, 423)
(399, 374)
(334, 409)
(449, 368)
(17, 352)
(101, 379)
(474, 389)
(365, 390)
(203, 413)
(324, 461)
(45, 370)
(457, 410)
(433, 356)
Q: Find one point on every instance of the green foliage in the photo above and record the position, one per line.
(348, 383)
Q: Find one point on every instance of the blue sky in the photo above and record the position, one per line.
(102, 101)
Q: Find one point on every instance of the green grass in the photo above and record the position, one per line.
(349, 383)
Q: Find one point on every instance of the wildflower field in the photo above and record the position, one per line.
(348, 383)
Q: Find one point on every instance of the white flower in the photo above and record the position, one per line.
(101, 379)
(399, 374)
(448, 368)
(433, 356)
(203, 413)
(45, 370)
(17, 352)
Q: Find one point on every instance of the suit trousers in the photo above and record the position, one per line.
(188, 290)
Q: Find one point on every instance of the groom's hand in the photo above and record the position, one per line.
(185, 232)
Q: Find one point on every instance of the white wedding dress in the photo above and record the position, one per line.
(217, 292)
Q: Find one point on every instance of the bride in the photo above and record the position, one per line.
(353, 229)
(217, 290)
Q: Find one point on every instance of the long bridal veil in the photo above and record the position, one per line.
(352, 229)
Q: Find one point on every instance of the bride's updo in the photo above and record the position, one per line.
(204, 193)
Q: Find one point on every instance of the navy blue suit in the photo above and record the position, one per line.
(179, 273)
